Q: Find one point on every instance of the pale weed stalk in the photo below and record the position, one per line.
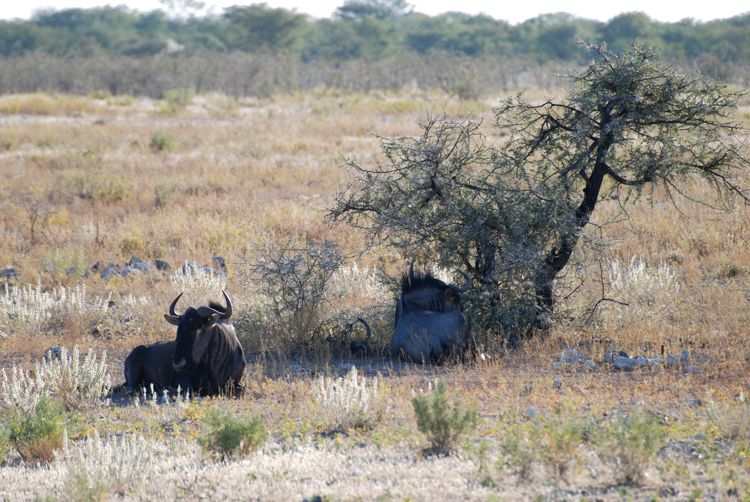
(346, 402)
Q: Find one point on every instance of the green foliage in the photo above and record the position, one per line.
(630, 442)
(516, 455)
(364, 28)
(175, 100)
(443, 424)
(37, 435)
(161, 141)
(556, 441)
(511, 214)
(231, 437)
(4, 440)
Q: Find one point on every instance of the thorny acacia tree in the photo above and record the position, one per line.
(513, 213)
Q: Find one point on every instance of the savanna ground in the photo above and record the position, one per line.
(102, 178)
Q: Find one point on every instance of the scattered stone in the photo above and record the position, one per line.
(692, 370)
(684, 357)
(588, 364)
(624, 363)
(71, 271)
(127, 270)
(694, 402)
(161, 265)
(557, 384)
(53, 353)
(570, 356)
(140, 265)
(9, 273)
(612, 354)
(671, 361)
(110, 271)
(530, 412)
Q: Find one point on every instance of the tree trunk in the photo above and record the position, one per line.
(559, 256)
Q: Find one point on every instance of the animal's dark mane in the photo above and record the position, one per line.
(420, 281)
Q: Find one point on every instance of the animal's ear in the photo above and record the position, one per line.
(450, 295)
(172, 319)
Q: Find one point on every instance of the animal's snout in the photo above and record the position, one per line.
(179, 365)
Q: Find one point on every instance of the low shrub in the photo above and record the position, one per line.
(160, 142)
(346, 403)
(37, 435)
(77, 383)
(442, 423)
(555, 441)
(97, 468)
(233, 437)
(4, 441)
(630, 442)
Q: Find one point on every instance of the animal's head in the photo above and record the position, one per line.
(193, 327)
(423, 290)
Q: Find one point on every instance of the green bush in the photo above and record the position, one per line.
(229, 436)
(175, 100)
(556, 441)
(160, 142)
(516, 455)
(441, 423)
(630, 442)
(4, 441)
(38, 434)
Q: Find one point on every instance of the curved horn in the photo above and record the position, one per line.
(206, 312)
(368, 331)
(228, 310)
(468, 283)
(173, 305)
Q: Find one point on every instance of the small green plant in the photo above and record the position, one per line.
(161, 141)
(556, 440)
(441, 423)
(230, 436)
(37, 435)
(4, 441)
(175, 100)
(630, 442)
(516, 455)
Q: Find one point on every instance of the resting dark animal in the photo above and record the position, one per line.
(430, 323)
(205, 358)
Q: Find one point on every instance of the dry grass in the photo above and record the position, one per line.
(81, 189)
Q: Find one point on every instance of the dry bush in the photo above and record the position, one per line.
(45, 104)
(22, 390)
(348, 402)
(197, 283)
(76, 383)
(27, 309)
(96, 468)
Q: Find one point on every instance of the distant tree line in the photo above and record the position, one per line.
(367, 30)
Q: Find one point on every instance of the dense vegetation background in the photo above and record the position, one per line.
(383, 43)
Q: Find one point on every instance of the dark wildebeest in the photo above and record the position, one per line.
(430, 323)
(206, 357)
